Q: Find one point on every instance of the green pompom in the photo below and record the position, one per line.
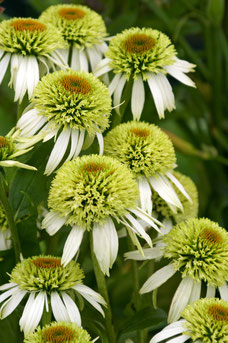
(7, 147)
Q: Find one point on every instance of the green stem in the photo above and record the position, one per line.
(10, 218)
(52, 244)
(70, 55)
(46, 317)
(102, 287)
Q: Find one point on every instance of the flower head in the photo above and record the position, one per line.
(46, 281)
(150, 155)
(87, 194)
(28, 42)
(81, 28)
(59, 332)
(14, 145)
(67, 104)
(206, 321)
(198, 249)
(148, 55)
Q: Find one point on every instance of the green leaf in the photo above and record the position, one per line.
(9, 328)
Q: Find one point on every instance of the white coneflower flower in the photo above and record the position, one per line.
(60, 332)
(198, 249)
(5, 241)
(205, 321)
(47, 283)
(83, 30)
(14, 145)
(66, 105)
(89, 194)
(27, 44)
(150, 155)
(146, 55)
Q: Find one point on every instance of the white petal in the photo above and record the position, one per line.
(223, 290)
(165, 189)
(59, 310)
(145, 195)
(168, 332)
(158, 278)
(21, 78)
(58, 151)
(32, 74)
(35, 313)
(27, 310)
(12, 163)
(105, 244)
(114, 83)
(64, 53)
(7, 286)
(178, 185)
(94, 298)
(74, 143)
(83, 61)
(179, 75)
(180, 299)
(75, 62)
(101, 142)
(53, 222)
(184, 66)
(102, 67)
(146, 218)
(166, 92)
(157, 95)
(27, 118)
(72, 244)
(196, 290)
(180, 339)
(72, 309)
(137, 98)
(210, 291)
(9, 305)
(4, 65)
(80, 143)
(8, 293)
(94, 57)
(118, 93)
(138, 227)
(149, 254)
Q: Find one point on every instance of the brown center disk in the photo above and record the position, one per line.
(140, 132)
(75, 84)
(47, 262)
(28, 25)
(71, 13)
(3, 142)
(219, 312)
(211, 236)
(93, 167)
(139, 43)
(58, 334)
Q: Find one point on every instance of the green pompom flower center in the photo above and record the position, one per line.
(3, 142)
(139, 43)
(6, 148)
(58, 334)
(218, 312)
(76, 84)
(28, 24)
(47, 262)
(71, 13)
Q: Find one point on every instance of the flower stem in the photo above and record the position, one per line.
(46, 317)
(102, 287)
(10, 218)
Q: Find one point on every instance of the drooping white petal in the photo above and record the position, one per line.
(184, 66)
(73, 144)
(180, 299)
(32, 74)
(64, 53)
(118, 93)
(210, 291)
(21, 79)
(52, 223)
(49, 132)
(196, 290)
(7, 286)
(139, 229)
(27, 310)
(137, 98)
(165, 189)
(12, 163)
(4, 65)
(157, 95)
(35, 313)
(145, 195)
(8, 293)
(72, 309)
(168, 332)
(94, 298)
(102, 67)
(83, 61)
(105, 244)
(114, 83)
(27, 118)
(101, 142)
(133, 237)
(94, 57)
(180, 339)
(179, 75)
(58, 151)
(59, 310)
(13, 69)
(223, 290)
(167, 93)
(79, 143)
(178, 185)
(146, 218)
(72, 244)
(9, 305)
(158, 278)
(149, 254)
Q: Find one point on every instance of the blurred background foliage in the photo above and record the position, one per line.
(198, 128)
